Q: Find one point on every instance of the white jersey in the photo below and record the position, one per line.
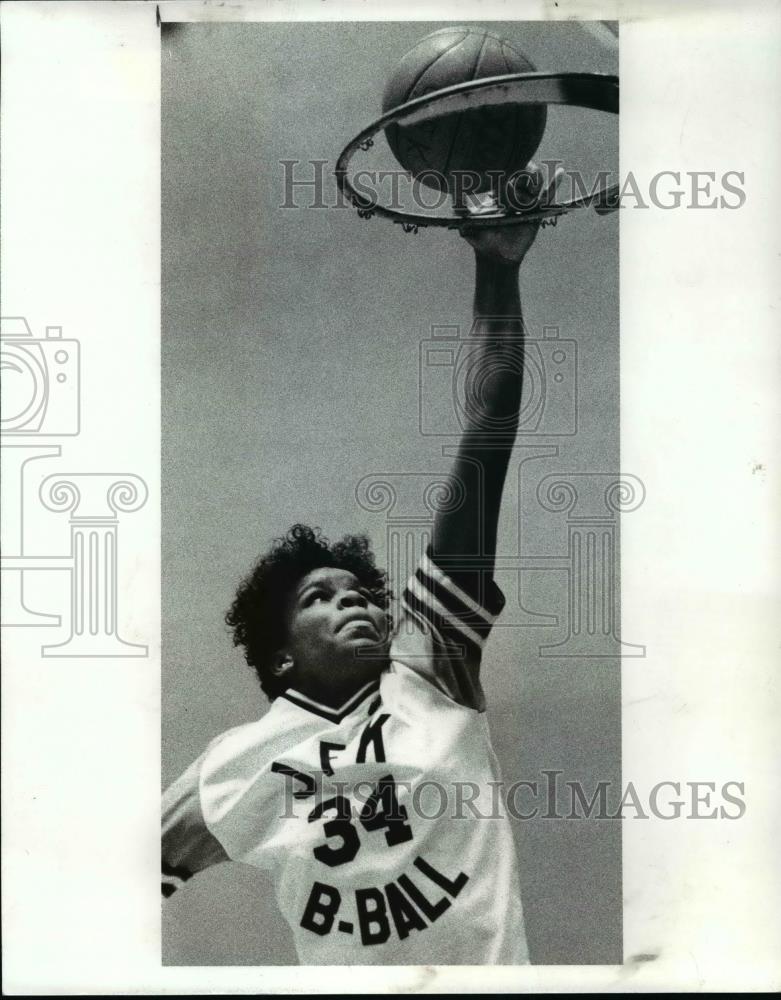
(362, 814)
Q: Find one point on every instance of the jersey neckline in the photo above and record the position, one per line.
(327, 711)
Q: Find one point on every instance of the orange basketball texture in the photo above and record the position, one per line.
(479, 140)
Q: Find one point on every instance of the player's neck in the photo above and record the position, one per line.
(330, 694)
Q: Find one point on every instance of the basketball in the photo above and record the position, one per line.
(480, 140)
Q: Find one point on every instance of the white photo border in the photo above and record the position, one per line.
(699, 387)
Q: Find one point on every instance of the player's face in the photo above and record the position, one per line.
(331, 616)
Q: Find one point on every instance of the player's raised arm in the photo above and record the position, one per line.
(465, 537)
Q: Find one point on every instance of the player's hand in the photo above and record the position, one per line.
(511, 243)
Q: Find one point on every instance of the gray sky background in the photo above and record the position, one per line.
(290, 372)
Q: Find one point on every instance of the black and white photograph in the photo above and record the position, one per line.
(396, 454)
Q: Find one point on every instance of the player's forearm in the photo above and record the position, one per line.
(492, 405)
(497, 302)
(496, 364)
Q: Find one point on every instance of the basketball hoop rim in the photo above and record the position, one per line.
(593, 91)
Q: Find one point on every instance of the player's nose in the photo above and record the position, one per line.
(352, 599)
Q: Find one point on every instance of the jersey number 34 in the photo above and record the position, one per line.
(381, 811)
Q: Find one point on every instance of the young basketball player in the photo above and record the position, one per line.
(346, 789)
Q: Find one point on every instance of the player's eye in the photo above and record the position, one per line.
(314, 595)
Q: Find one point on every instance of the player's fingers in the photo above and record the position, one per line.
(527, 189)
(549, 193)
(530, 190)
(524, 187)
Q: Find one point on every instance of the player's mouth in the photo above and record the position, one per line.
(356, 622)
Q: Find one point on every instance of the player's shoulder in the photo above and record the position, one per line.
(422, 690)
(249, 743)
(237, 767)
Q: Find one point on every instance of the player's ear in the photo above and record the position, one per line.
(282, 663)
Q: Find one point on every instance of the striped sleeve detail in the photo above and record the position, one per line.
(419, 598)
(442, 631)
(453, 612)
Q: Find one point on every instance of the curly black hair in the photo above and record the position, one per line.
(257, 615)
